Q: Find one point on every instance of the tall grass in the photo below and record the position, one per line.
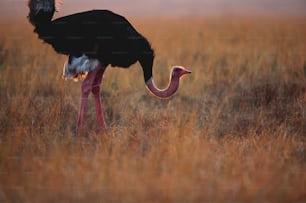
(235, 131)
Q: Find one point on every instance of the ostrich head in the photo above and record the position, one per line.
(179, 71)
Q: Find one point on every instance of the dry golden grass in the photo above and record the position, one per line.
(235, 131)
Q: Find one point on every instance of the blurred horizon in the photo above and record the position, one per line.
(135, 8)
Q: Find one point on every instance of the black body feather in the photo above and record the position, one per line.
(99, 34)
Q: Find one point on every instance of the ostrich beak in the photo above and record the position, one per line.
(185, 71)
(188, 71)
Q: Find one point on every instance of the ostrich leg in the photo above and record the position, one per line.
(97, 98)
(87, 87)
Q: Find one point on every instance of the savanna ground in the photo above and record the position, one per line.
(234, 132)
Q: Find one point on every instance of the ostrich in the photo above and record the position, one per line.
(92, 40)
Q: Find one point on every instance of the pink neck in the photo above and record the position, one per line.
(165, 93)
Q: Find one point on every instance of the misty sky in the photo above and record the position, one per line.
(169, 7)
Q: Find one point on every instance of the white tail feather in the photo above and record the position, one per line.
(79, 67)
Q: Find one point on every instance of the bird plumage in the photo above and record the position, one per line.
(98, 34)
(41, 11)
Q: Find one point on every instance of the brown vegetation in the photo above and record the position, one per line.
(235, 131)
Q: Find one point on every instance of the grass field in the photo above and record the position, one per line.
(234, 132)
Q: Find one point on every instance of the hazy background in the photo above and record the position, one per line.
(17, 8)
